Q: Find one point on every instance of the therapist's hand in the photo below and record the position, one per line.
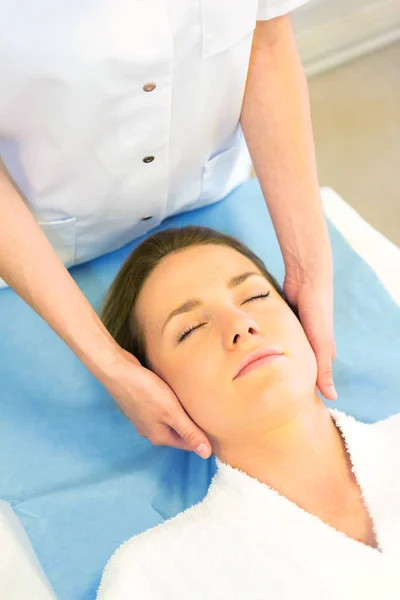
(153, 407)
(312, 293)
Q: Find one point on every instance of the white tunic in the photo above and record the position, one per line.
(244, 541)
(115, 114)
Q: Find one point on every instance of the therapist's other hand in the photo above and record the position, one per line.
(313, 297)
(153, 407)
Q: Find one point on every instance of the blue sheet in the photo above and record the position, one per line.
(73, 468)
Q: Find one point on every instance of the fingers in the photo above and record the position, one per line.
(192, 435)
(316, 316)
(174, 440)
(325, 352)
(325, 377)
(182, 434)
(334, 352)
(163, 435)
(163, 420)
(166, 436)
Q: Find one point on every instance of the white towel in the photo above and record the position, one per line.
(21, 576)
(244, 541)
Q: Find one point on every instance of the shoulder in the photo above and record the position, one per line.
(139, 562)
(389, 426)
(383, 435)
(380, 439)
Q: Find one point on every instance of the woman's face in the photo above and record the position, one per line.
(227, 309)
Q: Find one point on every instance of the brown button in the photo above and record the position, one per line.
(149, 87)
(148, 159)
(146, 218)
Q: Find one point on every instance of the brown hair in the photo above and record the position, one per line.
(118, 313)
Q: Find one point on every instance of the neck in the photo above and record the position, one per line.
(303, 454)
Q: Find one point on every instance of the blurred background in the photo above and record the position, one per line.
(351, 54)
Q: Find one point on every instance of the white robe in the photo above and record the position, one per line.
(245, 541)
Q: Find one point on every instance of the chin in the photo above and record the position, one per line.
(275, 394)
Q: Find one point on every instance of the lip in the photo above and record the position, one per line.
(256, 355)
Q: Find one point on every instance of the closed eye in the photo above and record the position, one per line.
(189, 330)
(256, 297)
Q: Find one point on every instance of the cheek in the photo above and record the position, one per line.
(198, 385)
(302, 352)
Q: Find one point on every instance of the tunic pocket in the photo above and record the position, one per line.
(226, 22)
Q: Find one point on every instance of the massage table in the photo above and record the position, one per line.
(76, 480)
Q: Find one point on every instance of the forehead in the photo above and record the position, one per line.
(197, 265)
(187, 272)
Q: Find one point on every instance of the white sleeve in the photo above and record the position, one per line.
(269, 9)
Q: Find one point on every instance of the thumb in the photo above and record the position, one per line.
(193, 436)
(325, 377)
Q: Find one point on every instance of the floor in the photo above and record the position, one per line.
(356, 121)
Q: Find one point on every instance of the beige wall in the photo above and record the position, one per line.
(331, 32)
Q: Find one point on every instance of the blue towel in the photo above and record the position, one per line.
(73, 468)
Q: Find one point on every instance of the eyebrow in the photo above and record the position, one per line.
(195, 302)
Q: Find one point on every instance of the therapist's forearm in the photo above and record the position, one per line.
(277, 127)
(29, 264)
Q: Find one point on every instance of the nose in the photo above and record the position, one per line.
(240, 328)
